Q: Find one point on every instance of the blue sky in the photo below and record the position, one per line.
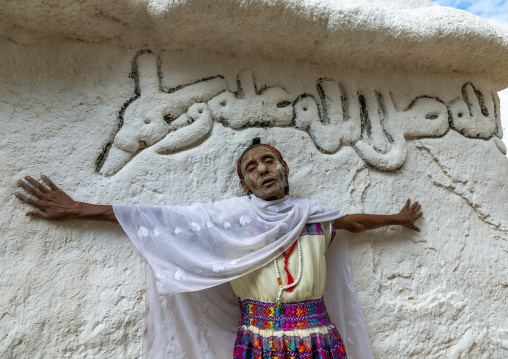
(494, 11)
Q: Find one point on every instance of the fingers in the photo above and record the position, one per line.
(408, 202)
(37, 213)
(36, 184)
(413, 227)
(415, 217)
(24, 198)
(29, 189)
(49, 182)
(415, 204)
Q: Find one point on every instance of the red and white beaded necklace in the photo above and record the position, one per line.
(291, 283)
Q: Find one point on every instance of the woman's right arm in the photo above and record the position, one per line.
(53, 203)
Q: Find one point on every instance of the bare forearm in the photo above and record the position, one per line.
(363, 222)
(52, 203)
(93, 211)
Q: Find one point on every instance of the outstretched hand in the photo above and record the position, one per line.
(50, 201)
(409, 214)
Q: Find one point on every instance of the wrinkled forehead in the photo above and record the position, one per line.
(256, 154)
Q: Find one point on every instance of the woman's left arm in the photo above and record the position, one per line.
(362, 222)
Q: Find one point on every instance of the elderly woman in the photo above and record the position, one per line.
(268, 246)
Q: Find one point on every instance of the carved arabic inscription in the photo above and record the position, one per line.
(179, 118)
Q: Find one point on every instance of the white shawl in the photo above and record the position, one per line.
(193, 251)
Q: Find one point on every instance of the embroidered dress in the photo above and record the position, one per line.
(300, 327)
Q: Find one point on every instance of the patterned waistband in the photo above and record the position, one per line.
(288, 316)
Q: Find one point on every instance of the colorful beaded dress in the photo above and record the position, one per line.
(299, 327)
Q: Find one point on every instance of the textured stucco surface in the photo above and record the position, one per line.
(75, 289)
(359, 34)
(503, 97)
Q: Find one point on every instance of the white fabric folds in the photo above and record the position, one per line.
(193, 251)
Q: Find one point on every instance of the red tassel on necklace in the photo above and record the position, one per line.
(286, 257)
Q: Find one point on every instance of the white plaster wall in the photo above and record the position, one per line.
(392, 34)
(75, 289)
(503, 97)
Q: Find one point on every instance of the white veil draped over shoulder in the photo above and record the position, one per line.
(192, 252)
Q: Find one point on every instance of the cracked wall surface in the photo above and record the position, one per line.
(433, 294)
(75, 289)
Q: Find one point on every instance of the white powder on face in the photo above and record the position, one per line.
(279, 167)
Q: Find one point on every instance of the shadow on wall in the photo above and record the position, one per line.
(179, 118)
